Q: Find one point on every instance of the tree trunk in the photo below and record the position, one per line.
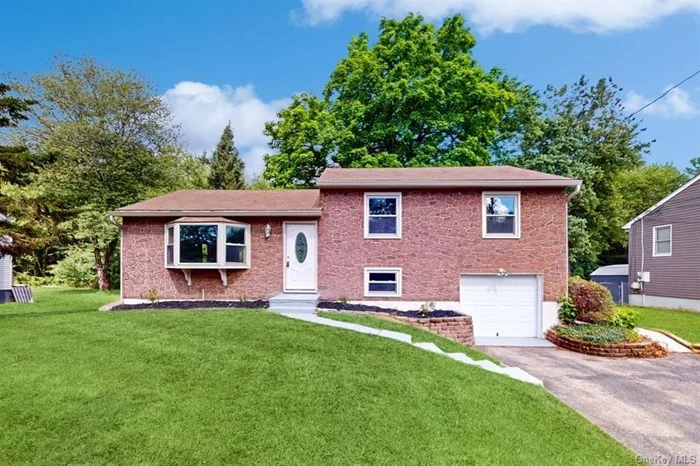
(102, 263)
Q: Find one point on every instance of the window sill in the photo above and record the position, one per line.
(500, 236)
(382, 237)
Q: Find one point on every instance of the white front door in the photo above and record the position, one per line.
(300, 249)
(501, 306)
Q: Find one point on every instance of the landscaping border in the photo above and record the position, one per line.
(459, 329)
(694, 347)
(643, 349)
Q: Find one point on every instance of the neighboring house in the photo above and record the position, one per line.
(487, 241)
(616, 279)
(664, 251)
(5, 268)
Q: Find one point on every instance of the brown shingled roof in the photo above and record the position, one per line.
(296, 202)
(439, 177)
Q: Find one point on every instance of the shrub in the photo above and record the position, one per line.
(427, 308)
(625, 318)
(26, 279)
(593, 301)
(567, 311)
(151, 295)
(77, 269)
(599, 333)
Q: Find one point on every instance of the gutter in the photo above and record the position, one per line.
(216, 213)
(449, 184)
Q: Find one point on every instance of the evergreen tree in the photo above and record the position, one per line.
(227, 168)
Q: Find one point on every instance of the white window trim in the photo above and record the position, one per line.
(670, 242)
(399, 216)
(484, 233)
(220, 247)
(167, 228)
(384, 294)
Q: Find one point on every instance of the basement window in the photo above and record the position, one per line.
(383, 282)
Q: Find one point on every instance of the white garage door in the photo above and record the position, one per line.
(501, 306)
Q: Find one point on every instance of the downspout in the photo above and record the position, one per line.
(574, 193)
(641, 282)
(121, 252)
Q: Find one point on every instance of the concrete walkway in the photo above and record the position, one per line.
(669, 343)
(650, 405)
(513, 372)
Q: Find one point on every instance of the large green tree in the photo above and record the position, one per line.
(227, 167)
(415, 97)
(582, 131)
(640, 188)
(107, 128)
(694, 167)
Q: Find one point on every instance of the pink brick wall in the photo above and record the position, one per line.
(143, 265)
(441, 240)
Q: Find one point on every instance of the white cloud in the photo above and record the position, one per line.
(203, 110)
(676, 104)
(597, 16)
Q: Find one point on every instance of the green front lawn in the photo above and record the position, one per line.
(79, 386)
(418, 335)
(685, 324)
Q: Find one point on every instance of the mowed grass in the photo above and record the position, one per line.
(685, 324)
(79, 386)
(417, 334)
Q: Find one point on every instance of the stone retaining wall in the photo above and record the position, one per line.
(459, 329)
(643, 349)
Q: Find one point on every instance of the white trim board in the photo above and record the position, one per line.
(628, 225)
(665, 302)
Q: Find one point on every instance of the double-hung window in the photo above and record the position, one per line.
(501, 215)
(385, 282)
(662, 240)
(216, 245)
(170, 245)
(382, 215)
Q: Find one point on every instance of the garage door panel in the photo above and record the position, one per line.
(501, 306)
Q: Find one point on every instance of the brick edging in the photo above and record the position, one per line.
(643, 349)
(459, 329)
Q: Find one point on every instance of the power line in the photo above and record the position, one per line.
(664, 94)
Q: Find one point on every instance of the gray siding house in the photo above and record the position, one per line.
(664, 251)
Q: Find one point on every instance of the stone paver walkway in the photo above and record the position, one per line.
(513, 372)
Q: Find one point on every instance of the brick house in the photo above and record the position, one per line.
(490, 242)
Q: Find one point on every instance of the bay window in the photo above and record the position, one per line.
(200, 245)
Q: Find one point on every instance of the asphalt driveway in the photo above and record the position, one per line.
(650, 405)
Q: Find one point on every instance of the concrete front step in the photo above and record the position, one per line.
(304, 303)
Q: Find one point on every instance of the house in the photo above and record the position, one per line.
(5, 268)
(490, 242)
(664, 251)
(616, 279)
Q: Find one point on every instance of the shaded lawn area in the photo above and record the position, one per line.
(685, 324)
(79, 386)
(417, 334)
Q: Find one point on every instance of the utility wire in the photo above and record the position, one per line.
(664, 94)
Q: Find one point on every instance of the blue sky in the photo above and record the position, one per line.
(217, 61)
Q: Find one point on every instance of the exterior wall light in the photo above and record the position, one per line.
(268, 230)
(502, 273)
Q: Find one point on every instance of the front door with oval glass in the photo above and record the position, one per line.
(300, 256)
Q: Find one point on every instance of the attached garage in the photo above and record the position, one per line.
(502, 306)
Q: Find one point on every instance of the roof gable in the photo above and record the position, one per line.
(663, 201)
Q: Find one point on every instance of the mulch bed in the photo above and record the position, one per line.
(364, 308)
(260, 304)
